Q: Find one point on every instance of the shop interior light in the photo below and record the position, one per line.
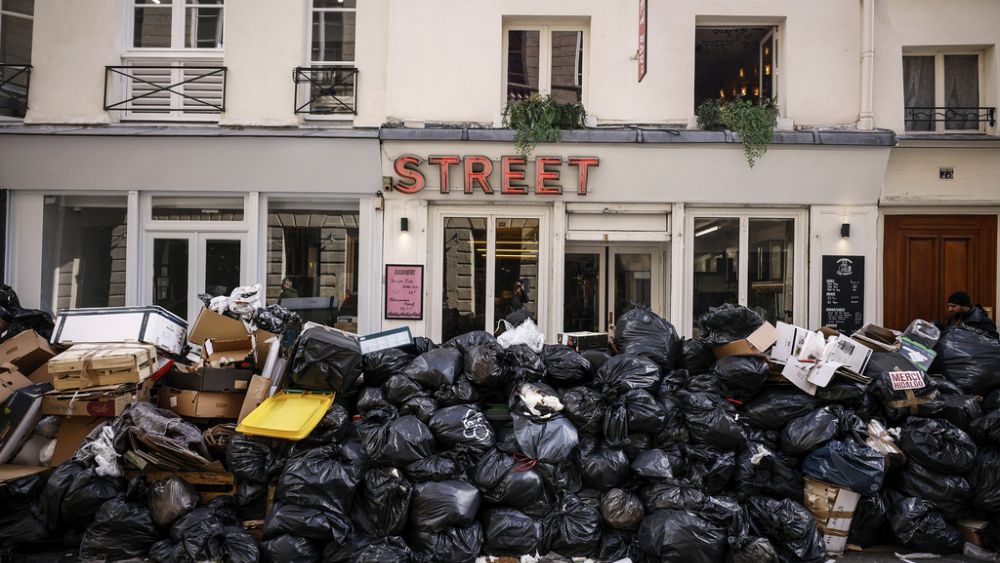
(711, 229)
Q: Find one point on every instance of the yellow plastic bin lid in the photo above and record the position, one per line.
(290, 415)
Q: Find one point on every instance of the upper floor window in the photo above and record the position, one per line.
(544, 60)
(333, 32)
(941, 92)
(177, 24)
(15, 55)
(735, 62)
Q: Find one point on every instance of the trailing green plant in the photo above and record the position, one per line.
(754, 123)
(709, 115)
(541, 119)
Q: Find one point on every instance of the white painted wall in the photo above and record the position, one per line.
(406, 248)
(825, 239)
(912, 176)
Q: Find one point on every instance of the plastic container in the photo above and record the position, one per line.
(290, 415)
(923, 332)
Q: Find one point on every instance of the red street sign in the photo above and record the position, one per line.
(476, 171)
(641, 55)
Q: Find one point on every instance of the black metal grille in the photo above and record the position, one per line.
(326, 90)
(192, 76)
(954, 118)
(14, 83)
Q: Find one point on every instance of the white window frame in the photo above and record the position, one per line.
(939, 87)
(540, 294)
(545, 57)
(177, 49)
(800, 274)
(309, 62)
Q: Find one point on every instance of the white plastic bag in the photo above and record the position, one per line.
(102, 451)
(525, 333)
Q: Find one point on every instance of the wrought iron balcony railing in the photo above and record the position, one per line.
(14, 83)
(954, 118)
(166, 89)
(326, 90)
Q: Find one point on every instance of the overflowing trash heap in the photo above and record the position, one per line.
(656, 449)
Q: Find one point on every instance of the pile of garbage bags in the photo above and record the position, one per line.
(655, 450)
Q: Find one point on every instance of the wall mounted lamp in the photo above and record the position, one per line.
(845, 230)
(404, 224)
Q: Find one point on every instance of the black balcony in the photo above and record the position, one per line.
(326, 90)
(167, 88)
(14, 83)
(954, 118)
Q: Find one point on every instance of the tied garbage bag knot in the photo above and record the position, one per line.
(524, 463)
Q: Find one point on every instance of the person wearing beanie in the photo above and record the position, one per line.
(961, 312)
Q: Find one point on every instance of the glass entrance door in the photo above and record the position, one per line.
(604, 281)
(183, 265)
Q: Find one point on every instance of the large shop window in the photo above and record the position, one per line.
(745, 260)
(83, 252)
(313, 259)
(489, 271)
(545, 60)
(16, 18)
(941, 92)
(735, 63)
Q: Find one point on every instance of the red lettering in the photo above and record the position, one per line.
(542, 175)
(510, 173)
(443, 163)
(406, 168)
(583, 163)
(478, 176)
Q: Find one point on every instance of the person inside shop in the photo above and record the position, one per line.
(961, 312)
(288, 290)
(516, 312)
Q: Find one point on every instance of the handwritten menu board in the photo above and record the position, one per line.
(844, 292)
(404, 292)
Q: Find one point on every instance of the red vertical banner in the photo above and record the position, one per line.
(641, 53)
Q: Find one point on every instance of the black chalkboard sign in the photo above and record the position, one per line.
(844, 292)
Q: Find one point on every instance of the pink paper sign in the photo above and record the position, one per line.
(404, 291)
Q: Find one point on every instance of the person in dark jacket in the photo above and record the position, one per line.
(961, 312)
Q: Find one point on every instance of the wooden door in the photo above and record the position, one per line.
(927, 257)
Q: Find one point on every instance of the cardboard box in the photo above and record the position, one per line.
(258, 390)
(94, 365)
(72, 432)
(199, 404)
(18, 418)
(833, 508)
(10, 381)
(107, 400)
(27, 350)
(972, 529)
(754, 345)
(210, 324)
(215, 380)
(582, 341)
(236, 353)
(877, 338)
(10, 473)
(151, 325)
(41, 375)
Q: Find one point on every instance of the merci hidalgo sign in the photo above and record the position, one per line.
(476, 170)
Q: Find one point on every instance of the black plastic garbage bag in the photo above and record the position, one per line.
(950, 494)
(711, 420)
(848, 464)
(585, 408)
(868, 524)
(169, 499)
(251, 459)
(752, 550)
(622, 509)
(985, 430)
(464, 342)
(960, 410)
(713, 468)
(363, 549)
(23, 518)
(776, 406)
(449, 464)
(674, 428)
(462, 424)
(523, 364)
(319, 478)
(970, 358)
(167, 551)
(741, 377)
(212, 540)
(897, 404)
(678, 535)
(677, 493)
(653, 464)
(379, 366)
(290, 549)
(697, 356)
(485, 365)
(420, 345)
(510, 532)
(918, 525)
(438, 505)
(395, 441)
(759, 471)
(564, 365)
(625, 372)
(30, 319)
(435, 368)
(504, 480)
(333, 427)
(459, 393)
(645, 413)
(399, 389)
(251, 498)
(638, 442)
(9, 302)
(938, 445)
(420, 407)
(371, 398)
(984, 477)
(55, 492)
(382, 502)
(617, 545)
(307, 522)
(123, 527)
(728, 323)
(597, 358)
(808, 432)
(602, 467)
(549, 440)
(324, 359)
(460, 545)
(644, 333)
(86, 494)
(572, 528)
(789, 526)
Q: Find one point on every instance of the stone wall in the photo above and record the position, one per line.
(336, 262)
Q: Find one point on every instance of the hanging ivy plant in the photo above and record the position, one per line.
(754, 123)
(541, 119)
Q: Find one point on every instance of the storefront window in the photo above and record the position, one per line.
(516, 267)
(313, 259)
(83, 252)
(171, 208)
(582, 292)
(770, 267)
(464, 299)
(170, 276)
(716, 262)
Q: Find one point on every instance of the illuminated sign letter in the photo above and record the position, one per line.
(512, 169)
(406, 168)
(583, 163)
(443, 163)
(542, 175)
(480, 176)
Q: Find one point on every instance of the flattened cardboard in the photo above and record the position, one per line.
(213, 325)
(798, 373)
(849, 352)
(257, 392)
(789, 338)
(833, 508)
(27, 350)
(9, 472)
(72, 431)
(107, 400)
(754, 345)
(11, 380)
(198, 404)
